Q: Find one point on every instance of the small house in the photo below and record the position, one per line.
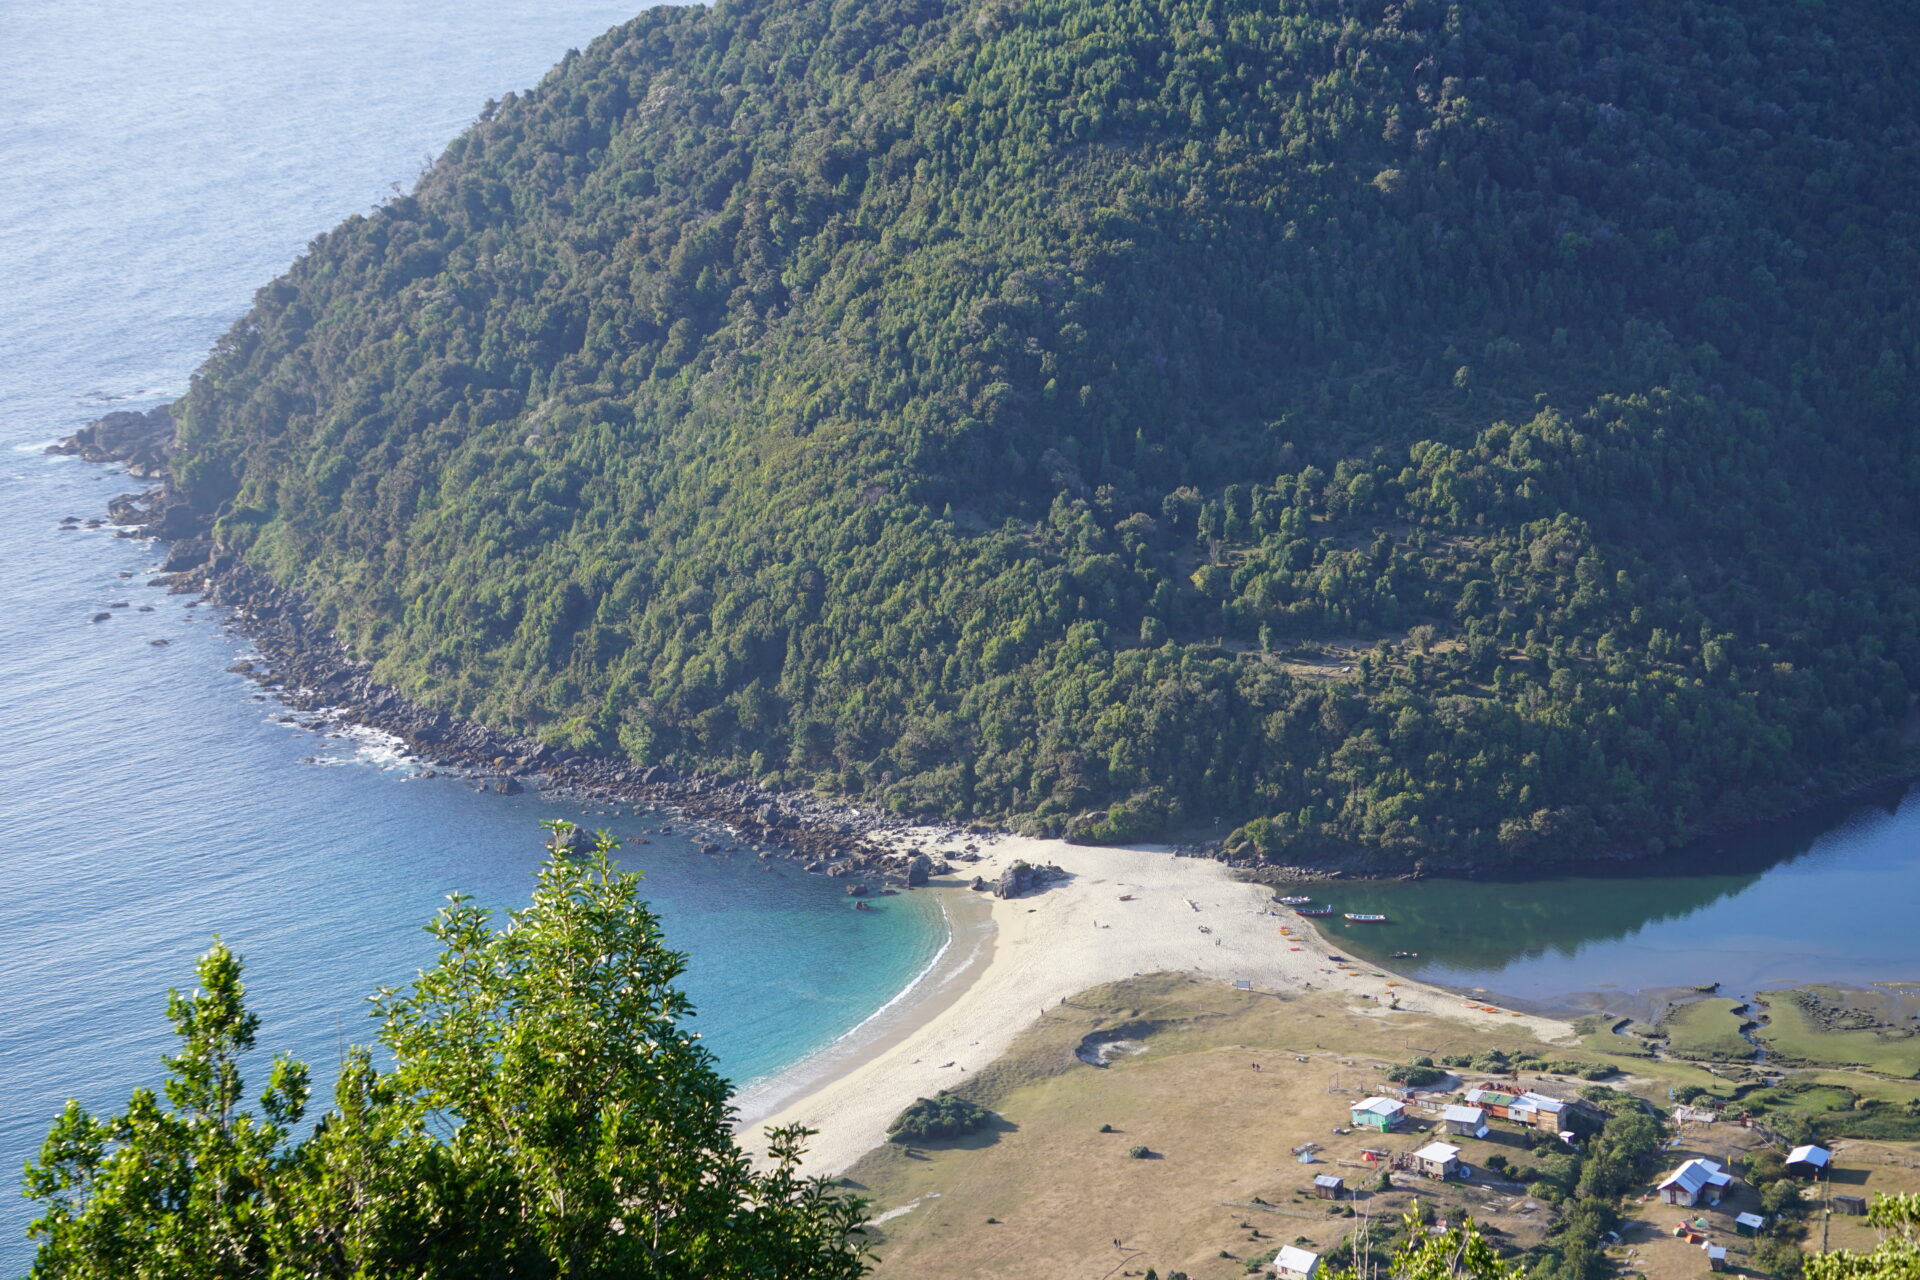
(1536, 1110)
(1698, 1181)
(1854, 1206)
(1329, 1187)
(1494, 1101)
(1749, 1224)
(1468, 1122)
(1716, 1256)
(1294, 1263)
(1384, 1114)
(1438, 1160)
(1809, 1161)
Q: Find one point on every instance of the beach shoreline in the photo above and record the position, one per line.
(1119, 913)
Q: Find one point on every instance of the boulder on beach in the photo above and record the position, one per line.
(919, 870)
(1023, 877)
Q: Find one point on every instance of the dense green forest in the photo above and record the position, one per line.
(1463, 432)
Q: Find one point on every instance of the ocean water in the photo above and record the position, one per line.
(161, 161)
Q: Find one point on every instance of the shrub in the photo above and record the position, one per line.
(942, 1116)
(1139, 1152)
(1418, 1074)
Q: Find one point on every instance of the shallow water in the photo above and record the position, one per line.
(160, 167)
(1832, 898)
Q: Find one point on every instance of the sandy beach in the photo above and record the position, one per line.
(1011, 959)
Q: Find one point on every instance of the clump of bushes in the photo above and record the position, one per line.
(1417, 1074)
(1139, 1152)
(942, 1116)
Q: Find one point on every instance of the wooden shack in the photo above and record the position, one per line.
(1853, 1206)
(1329, 1187)
(1467, 1122)
(1439, 1160)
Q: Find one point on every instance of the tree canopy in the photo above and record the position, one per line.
(1453, 430)
(547, 1114)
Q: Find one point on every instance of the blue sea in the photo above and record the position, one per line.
(162, 161)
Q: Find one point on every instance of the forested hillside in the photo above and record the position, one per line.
(1463, 432)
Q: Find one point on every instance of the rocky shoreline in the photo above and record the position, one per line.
(307, 669)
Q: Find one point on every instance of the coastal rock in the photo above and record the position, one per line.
(572, 842)
(188, 553)
(979, 884)
(1023, 877)
(101, 617)
(856, 891)
(919, 870)
(143, 441)
(509, 787)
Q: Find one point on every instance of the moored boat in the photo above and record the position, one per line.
(1295, 902)
(1313, 911)
(1366, 917)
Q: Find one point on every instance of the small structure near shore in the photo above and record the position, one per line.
(1440, 1160)
(1329, 1187)
(1537, 1110)
(1295, 1263)
(1809, 1161)
(1468, 1122)
(1698, 1181)
(1749, 1224)
(1383, 1114)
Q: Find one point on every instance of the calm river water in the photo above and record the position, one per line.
(1834, 898)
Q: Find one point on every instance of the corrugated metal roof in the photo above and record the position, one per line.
(1293, 1258)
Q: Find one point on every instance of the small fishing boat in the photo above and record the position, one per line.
(1313, 911)
(1406, 955)
(1366, 917)
(1294, 902)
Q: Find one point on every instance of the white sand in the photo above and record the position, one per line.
(1187, 915)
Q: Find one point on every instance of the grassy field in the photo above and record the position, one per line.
(1611, 1036)
(1827, 1026)
(1707, 1029)
(1047, 1192)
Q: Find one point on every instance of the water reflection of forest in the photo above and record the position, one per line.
(1492, 924)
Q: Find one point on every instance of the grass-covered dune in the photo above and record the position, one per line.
(1471, 431)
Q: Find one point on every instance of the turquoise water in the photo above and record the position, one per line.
(1834, 898)
(160, 167)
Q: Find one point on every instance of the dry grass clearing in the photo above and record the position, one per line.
(1650, 1249)
(1221, 1187)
